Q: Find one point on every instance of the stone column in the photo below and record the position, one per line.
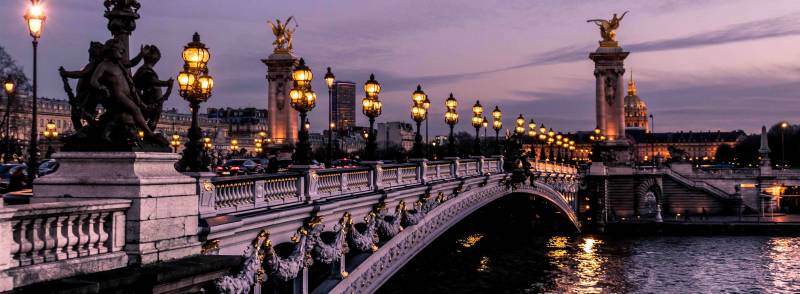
(609, 71)
(283, 119)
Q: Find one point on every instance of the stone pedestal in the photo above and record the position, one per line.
(615, 153)
(161, 223)
(610, 107)
(283, 119)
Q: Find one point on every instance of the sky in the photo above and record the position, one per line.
(699, 64)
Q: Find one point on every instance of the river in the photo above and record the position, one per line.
(507, 249)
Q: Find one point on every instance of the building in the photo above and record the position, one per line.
(635, 110)
(343, 102)
(242, 124)
(399, 134)
(698, 146)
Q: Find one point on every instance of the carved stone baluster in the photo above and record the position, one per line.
(60, 238)
(37, 237)
(16, 244)
(25, 242)
(94, 234)
(82, 223)
(103, 227)
(50, 237)
(72, 227)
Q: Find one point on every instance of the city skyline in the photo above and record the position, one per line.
(693, 61)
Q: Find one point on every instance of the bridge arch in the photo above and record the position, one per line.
(368, 276)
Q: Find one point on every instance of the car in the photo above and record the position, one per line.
(48, 166)
(237, 167)
(6, 170)
(261, 164)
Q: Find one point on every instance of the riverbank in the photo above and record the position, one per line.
(769, 225)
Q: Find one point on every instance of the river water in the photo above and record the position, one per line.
(505, 249)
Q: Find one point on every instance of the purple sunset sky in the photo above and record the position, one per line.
(699, 64)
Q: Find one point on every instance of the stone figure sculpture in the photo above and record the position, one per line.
(283, 34)
(107, 81)
(610, 88)
(149, 86)
(608, 28)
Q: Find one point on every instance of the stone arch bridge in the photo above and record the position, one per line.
(362, 223)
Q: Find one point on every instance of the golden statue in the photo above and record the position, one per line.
(283, 35)
(608, 29)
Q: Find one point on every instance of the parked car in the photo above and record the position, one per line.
(344, 163)
(262, 164)
(237, 167)
(7, 170)
(48, 166)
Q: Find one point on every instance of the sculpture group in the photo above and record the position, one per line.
(608, 29)
(283, 35)
(131, 104)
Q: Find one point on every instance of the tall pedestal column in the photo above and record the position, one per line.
(610, 107)
(283, 121)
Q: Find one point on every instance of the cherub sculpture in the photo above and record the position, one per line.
(149, 86)
(119, 97)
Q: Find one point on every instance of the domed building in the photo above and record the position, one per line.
(635, 109)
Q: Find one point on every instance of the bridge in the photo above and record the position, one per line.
(360, 224)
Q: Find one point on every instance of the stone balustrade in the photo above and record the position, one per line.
(221, 195)
(45, 241)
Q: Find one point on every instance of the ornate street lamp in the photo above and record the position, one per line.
(330, 79)
(207, 144)
(303, 99)
(234, 145)
(532, 137)
(34, 17)
(519, 130)
(9, 86)
(477, 121)
(50, 133)
(195, 87)
(175, 142)
(371, 107)
(418, 114)
(451, 118)
(260, 141)
(497, 125)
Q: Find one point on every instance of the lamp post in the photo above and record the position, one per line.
(175, 142)
(532, 137)
(427, 105)
(497, 125)
(35, 18)
(303, 99)
(784, 125)
(451, 118)
(9, 86)
(261, 141)
(50, 133)
(195, 87)
(418, 114)
(234, 147)
(330, 79)
(371, 107)
(542, 140)
(519, 129)
(477, 121)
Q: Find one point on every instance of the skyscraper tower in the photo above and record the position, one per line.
(344, 105)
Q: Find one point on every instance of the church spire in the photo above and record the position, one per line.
(631, 85)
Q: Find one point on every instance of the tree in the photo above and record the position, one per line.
(10, 70)
(724, 154)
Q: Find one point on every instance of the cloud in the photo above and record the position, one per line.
(786, 25)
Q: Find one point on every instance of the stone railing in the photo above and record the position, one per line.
(336, 182)
(439, 170)
(394, 175)
(45, 241)
(220, 195)
(231, 194)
